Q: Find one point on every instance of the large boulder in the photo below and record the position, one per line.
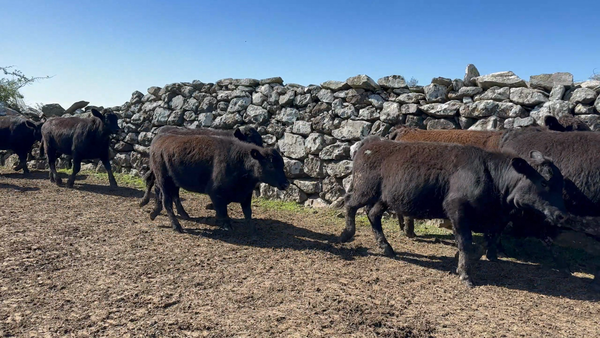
(336, 151)
(555, 108)
(442, 109)
(81, 105)
(489, 124)
(500, 79)
(479, 109)
(548, 81)
(494, 93)
(527, 96)
(392, 81)
(292, 146)
(471, 72)
(352, 130)
(335, 85)
(435, 93)
(583, 95)
(53, 109)
(363, 82)
(390, 112)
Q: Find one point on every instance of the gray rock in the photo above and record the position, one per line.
(313, 167)
(457, 84)
(500, 79)
(554, 108)
(287, 115)
(123, 147)
(303, 100)
(256, 115)
(368, 114)
(527, 96)
(227, 121)
(287, 98)
(324, 123)
(189, 116)
(583, 95)
(581, 109)
(381, 128)
(339, 169)
(238, 104)
(177, 102)
(292, 168)
(343, 110)
(436, 124)
(470, 73)
(205, 119)
(161, 116)
(597, 104)
(557, 92)
(332, 190)
(292, 145)
(509, 110)
(137, 119)
(325, 95)
(443, 81)
(593, 121)
(314, 143)
(494, 93)
(292, 193)
(144, 138)
(308, 186)
(409, 108)
(416, 121)
(335, 85)
(302, 128)
(352, 130)
(392, 81)
(479, 109)
(410, 98)
(336, 151)
(188, 91)
(376, 100)
(53, 109)
(466, 122)
(362, 81)
(154, 90)
(316, 203)
(277, 80)
(390, 113)
(191, 104)
(435, 93)
(208, 105)
(265, 90)
(258, 99)
(245, 82)
(489, 124)
(442, 109)
(347, 183)
(548, 81)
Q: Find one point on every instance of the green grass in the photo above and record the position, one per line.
(122, 179)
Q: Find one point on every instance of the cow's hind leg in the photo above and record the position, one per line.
(22, 162)
(157, 203)
(180, 210)
(352, 206)
(168, 191)
(111, 177)
(407, 224)
(221, 211)
(51, 156)
(457, 212)
(149, 179)
(76, 169)
(375, 215)
(246, 205)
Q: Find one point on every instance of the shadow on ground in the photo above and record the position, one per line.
(108, 190)
(33, 175)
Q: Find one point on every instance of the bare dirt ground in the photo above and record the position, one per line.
(88, 261)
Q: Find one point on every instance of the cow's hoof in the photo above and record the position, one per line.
(410, 234)
(178, 228)
(492, 256)
(153, 215)
(389, 252)
(114, 185)
(346, 236)
(184, 215)
(468, 283)
(143, 202)
(70, 184)
(209, 206)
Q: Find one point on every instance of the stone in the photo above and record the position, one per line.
(548, 81)
(457, 84)
(123, 147)
(144, 138)
(479, 109)
(443, 81)
(258, 99)
(339, 169)
(189, 115)
(410, 98)
(325, 95)
(500, 79)
(308, 186)
(256, 115)
(343, 110)
(381, 128)
(466, 122)
(435, 124)
(509, 110)
(292, 168)
(554, 108)
(557, 92)
(287, 98)
(316, 203)
(154, 90)
(313, 167)
(161, 116)
(331, 189)
(490, 124)
(442, 109)
(597, 104)
(521, 122)
(270, 80)
(593, 121)
(368, 114)
(336, 151)
(409, 108)
(227, 121)
(287, 116)
(362, 81)
(494, 93)
(177, 102)
(303, 100)
(376, 100)
(392, 81)
(466, 91)
(583, 95)
(335, 85)
(208, 105)
(238, 104)
(323, 123)
(435, 93)
(347, 183)
(302, 128)
(352, 130)
(581, 109)
(357, 97)
(527, 96)
(470, 73)
(292, 146)
(53, 109)
(390, 113)
(292, 193)
(314, 143)
(205, 119)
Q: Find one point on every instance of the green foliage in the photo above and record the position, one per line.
(12, 81)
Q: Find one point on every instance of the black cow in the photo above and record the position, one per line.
(19, 134)
(80, 138)
(224, 168)
(474, 188)
(246, 134)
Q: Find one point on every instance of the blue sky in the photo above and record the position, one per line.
(101, 51)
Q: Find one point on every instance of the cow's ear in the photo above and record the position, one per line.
(522, 167)
(256, 155)
(30, 124)
(239, 135)
(552, 123)
(97, 114)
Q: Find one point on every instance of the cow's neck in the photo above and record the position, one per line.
(504, 176)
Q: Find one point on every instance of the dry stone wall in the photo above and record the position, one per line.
(315, 126)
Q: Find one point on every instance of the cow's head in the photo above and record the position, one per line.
(249, 135)
(270, 167)
(110, 121)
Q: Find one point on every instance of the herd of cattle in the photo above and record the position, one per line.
(534, 178)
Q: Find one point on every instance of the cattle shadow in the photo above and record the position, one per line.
(512, 275)
(274, 234)
(33, 175)
(18, 188)
(121, 191)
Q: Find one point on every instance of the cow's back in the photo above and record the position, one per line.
(15, 134)
(68, 135)
(483, 139)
